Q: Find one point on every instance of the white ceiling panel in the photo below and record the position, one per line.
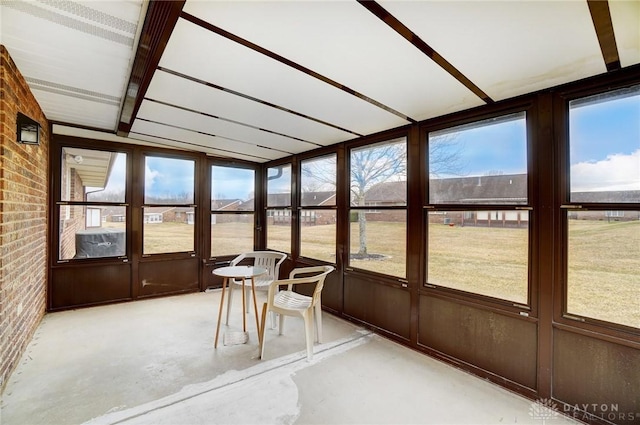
(178, 117)
(508, 48)
(330, 71)
(75, 110)
(204, 140)
(346, 43)
(161, 142)
(625, 16)
(216, 59)
(78, 50)
(182, 92)
(96, 135)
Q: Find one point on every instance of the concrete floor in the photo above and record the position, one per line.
(153, 362)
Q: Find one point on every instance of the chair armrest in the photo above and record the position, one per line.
(273, 286)
(306, 270)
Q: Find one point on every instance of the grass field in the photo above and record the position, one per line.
(603, 263)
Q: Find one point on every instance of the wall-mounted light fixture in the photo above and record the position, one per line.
(28, 130)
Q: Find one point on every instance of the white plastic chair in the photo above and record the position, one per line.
(290, 303)
(270, 260)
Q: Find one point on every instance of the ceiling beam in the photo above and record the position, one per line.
(209, 26)
(603, 25)
(204, 133)
(198, 112)
(182, 142)
(158, 25)
(255, 99)
(414, 39)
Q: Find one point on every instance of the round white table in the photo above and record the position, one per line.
(242, 273)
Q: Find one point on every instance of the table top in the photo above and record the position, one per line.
(239, 271)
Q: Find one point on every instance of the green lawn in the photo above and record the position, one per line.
(603, 272)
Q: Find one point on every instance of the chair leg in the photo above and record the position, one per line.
(281, 324)
(318, 311)
(262, 328)
(308, 330)
(272, 319)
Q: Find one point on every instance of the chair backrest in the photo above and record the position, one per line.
(313, 274)
(270, 260)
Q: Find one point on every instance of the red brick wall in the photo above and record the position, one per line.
(23, 219)
(72, 218)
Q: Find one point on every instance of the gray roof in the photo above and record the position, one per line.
(500, 189)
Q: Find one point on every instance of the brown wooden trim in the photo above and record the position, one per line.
(544, 195)
(79, 126)
(516, 387)
(413, 38)
(415, 257)
(159, 22)
(254, 99)
(627, 340)
(189, 143)
(195, 111)
(601, 17)
(292, 64)
(214, 135)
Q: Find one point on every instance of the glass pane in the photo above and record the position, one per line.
(279, 230)
(480, 163)
(379, 174)
(231, 234)
(605, 147)
(485, 252)
(318, 234)
(279, 186)
(168, 180)
(92, 232)
(378, 241)
(318, 181)
(232, 189)
(168, 229)
(90, 175)
(603, 269)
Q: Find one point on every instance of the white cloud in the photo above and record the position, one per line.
(616, 172)
(150, 176)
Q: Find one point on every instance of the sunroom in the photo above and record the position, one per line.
(470, 169)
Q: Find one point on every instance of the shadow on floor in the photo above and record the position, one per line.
(153, 362)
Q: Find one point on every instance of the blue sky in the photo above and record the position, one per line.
(281, 184)
(168, 177)
(605, 145)
(232, 183)
(486, 149)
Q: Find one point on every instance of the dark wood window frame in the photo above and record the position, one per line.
(609, 331)
(530, 108)
(377, 277)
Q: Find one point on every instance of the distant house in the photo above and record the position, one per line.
(308, 217)
(505, 189)
(153, 215)
(311, 217)
(508, 189)
(623, 196)
(387, 194)
(226, 205)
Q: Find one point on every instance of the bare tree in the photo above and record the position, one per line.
(372, 165)
(380, 163)
(445, 156)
